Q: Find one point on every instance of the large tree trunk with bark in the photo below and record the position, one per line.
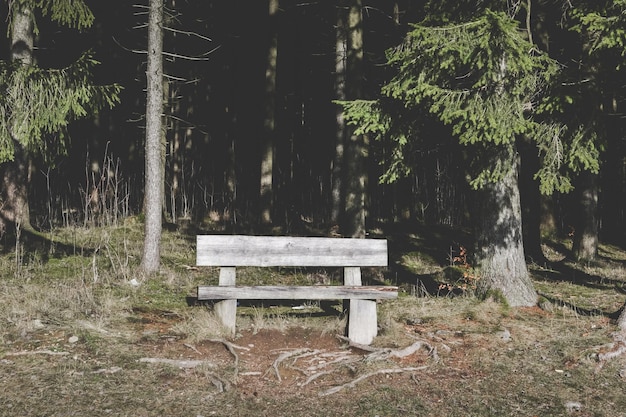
(153, 197)
(269, 122)
(499, 243)
(14, 207)
(355, 178)
(585, 245)
(341, 44)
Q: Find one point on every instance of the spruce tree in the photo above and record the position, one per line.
(37, 104)
(482, 77)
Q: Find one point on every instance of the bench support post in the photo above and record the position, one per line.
(226, 310)
(362, 320)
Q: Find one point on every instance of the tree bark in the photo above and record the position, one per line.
(585, 244)
(14, 206)
(153, 196)
(340, 125)
(500, 250)
(355, 179)
(267, 149)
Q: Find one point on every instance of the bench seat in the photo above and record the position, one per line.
(231, 251)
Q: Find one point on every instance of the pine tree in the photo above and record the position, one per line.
(151, 258)
(483, 78)
(37, 104)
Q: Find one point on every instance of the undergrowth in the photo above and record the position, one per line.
(78, 295)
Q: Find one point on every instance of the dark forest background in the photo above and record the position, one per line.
(215, 102)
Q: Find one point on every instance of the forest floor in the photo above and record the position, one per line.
(82, 334)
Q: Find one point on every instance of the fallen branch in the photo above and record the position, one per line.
(353, 383)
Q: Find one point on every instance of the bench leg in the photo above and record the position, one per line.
(226, 310)
(362, 319)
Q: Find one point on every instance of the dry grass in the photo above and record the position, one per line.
(73, 330)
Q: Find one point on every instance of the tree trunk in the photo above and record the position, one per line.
(153, 197)
(267, 147)
(340, 125)
(500, 250)
(585, 245)
(355, 179)
(14, 207)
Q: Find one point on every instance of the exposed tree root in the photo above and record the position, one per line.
(616, 348)
(231, 348)
(219, 383)
(37, 352)
(321, 363)
(192, 363)
(315, 376)
(182, 363)
(297, 353)
(353, 383)
(387, 353)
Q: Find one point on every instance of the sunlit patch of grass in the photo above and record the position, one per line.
(158, 293)
(419, 263)
(612, 252)
(200, 324)
(582, 298)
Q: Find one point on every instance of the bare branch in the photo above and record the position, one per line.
(202, 57)
(184, 32)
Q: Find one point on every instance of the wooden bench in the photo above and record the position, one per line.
(231, 251)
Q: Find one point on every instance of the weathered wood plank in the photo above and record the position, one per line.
(227, 310)
(238, 250)
(318, 292)
(362, 316)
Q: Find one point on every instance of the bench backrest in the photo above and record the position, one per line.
(238, 250)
